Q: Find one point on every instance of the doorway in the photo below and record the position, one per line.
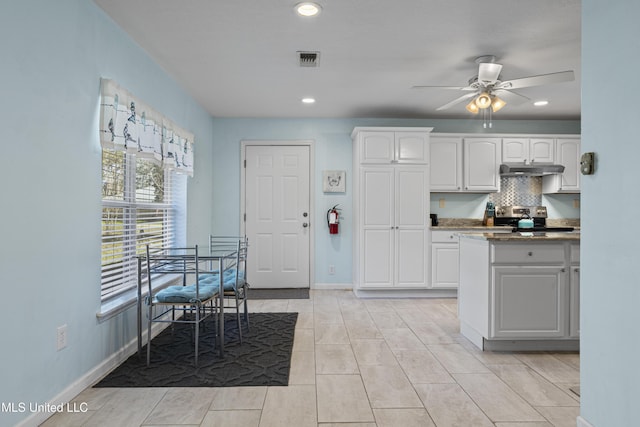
(277, 207)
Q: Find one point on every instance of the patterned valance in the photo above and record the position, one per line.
(127, 124)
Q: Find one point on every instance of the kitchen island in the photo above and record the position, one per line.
(520, 291)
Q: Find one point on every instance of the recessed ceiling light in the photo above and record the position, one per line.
(308, 100)
(540, 103)
(308, 9)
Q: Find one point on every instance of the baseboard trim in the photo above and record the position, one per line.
(581, 422)
(332, 286)
(531, 345)
(406, 293)
(91, 377)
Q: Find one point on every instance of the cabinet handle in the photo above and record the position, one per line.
(451, 237)
(530, 253)
(577, 270)
(562, 270)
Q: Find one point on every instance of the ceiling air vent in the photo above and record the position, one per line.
(309, 59)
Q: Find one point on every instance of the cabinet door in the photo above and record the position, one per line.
(411, 209)
(444, 265)
(568, 151)
(542, 150)
(411, 147)
(567, 154)
(377, 234)
(574, 303)
(481, 164)
(377, 147)
(530, 302)
(515, 150)
(445, 154)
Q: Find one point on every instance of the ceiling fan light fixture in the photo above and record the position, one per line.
(472, 107)
(497, 104)
(483, 100)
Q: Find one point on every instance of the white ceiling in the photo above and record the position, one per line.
(238, 57)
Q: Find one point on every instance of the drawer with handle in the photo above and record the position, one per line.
(528, 254)
(444, 236)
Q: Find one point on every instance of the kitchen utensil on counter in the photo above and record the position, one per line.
(525, 222)
(489, 213)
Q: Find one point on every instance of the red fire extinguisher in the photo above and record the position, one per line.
(333, 219)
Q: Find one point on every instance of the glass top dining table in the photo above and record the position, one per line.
(216, 258)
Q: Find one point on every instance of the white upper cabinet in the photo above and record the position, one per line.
(568, 155)
(446, 163)
(482, 158)
(393, 146)
(465, 164)
(528, 150)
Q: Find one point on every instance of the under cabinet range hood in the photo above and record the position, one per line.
(518, 169)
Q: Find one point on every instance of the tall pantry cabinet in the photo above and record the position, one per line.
(391, 207)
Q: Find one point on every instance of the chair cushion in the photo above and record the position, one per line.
(185, 294)
(230, 280)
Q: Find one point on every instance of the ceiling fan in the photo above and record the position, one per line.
(487, 92)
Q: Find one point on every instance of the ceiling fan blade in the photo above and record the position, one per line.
(444, 87)
(543, 79)
(511, 98)
(488, 72)
(456, 101)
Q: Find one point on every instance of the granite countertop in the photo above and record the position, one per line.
(476, 224)
(520, 237)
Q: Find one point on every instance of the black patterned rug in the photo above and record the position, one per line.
(263, 358)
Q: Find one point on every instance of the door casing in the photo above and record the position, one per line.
(314, 222)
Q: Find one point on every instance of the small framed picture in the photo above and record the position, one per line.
(334, 181)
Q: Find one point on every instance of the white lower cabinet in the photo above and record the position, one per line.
(530, 302)
(574, 318)
(574, 293)
(531, 293)
(444, 259)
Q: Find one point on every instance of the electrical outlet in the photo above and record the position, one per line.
(61, 337)
(332, 269)
(576, 203)
(442, 203)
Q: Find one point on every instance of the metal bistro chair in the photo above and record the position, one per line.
(194, 301)
(235, 283)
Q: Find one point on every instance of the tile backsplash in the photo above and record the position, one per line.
(518, 191)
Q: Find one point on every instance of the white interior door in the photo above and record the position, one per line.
(277, 204)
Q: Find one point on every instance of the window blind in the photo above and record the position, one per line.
(142, 204)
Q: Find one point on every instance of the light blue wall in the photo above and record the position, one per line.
(53, 55)
(333, 150)
(610, 288)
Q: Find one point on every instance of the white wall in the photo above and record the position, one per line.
(610, 287)
(53, 55)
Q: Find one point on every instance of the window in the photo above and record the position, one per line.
(146, 159)
(142, 204)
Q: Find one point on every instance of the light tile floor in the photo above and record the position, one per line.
(364, 363)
